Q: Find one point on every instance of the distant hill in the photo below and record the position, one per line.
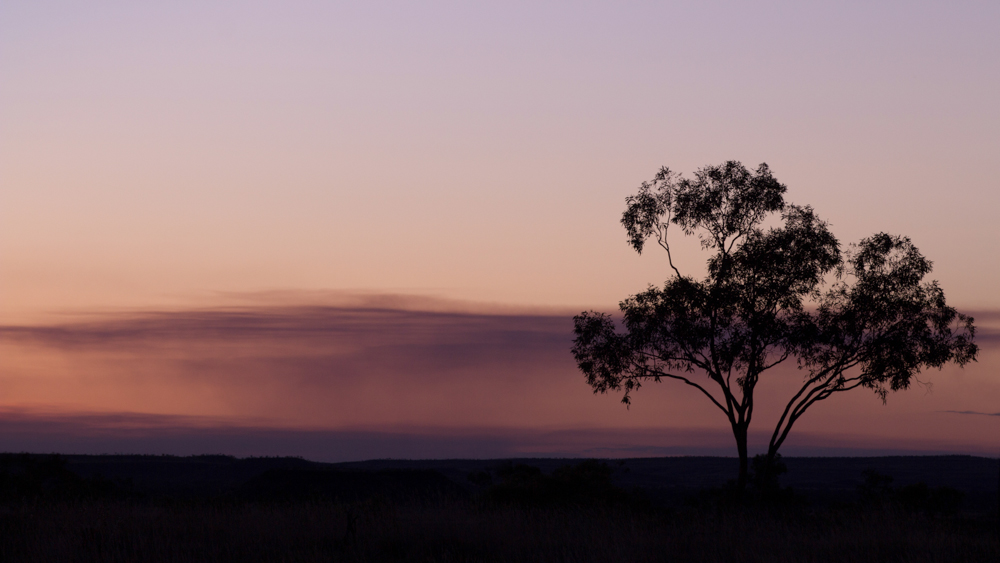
(819, 478)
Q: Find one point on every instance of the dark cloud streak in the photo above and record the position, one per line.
(314, 364)
(307, 338)
(108, 433)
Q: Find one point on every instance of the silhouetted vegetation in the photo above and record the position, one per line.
(453, 530)
(25, 477)
(861, 318)
(877, 489)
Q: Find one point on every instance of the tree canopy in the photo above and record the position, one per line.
(857, 317)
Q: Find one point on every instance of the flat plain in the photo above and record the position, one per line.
(220, 508)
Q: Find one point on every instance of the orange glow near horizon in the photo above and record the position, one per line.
(402, 369)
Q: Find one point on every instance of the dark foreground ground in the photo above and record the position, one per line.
(217, 508)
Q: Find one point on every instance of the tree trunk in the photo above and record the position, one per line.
(740, 431)
(772, 452)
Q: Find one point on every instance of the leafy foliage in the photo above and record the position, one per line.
(25, 477)
(860, 318)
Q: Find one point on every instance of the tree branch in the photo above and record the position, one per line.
(784, 357)
(827, 377)
(662, 228)
(657, 373)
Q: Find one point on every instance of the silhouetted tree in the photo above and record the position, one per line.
(862, 318)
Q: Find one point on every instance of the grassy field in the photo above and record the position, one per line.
(283, 509)
(449, 530)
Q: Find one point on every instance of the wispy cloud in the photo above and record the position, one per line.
(303, 364)
(975, 412)
(318, 343)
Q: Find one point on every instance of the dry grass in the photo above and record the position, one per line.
(448, 530)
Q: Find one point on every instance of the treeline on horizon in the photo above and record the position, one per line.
(291, 509)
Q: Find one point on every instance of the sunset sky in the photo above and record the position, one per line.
(352, 230)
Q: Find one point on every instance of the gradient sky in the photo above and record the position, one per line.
(164, 166)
